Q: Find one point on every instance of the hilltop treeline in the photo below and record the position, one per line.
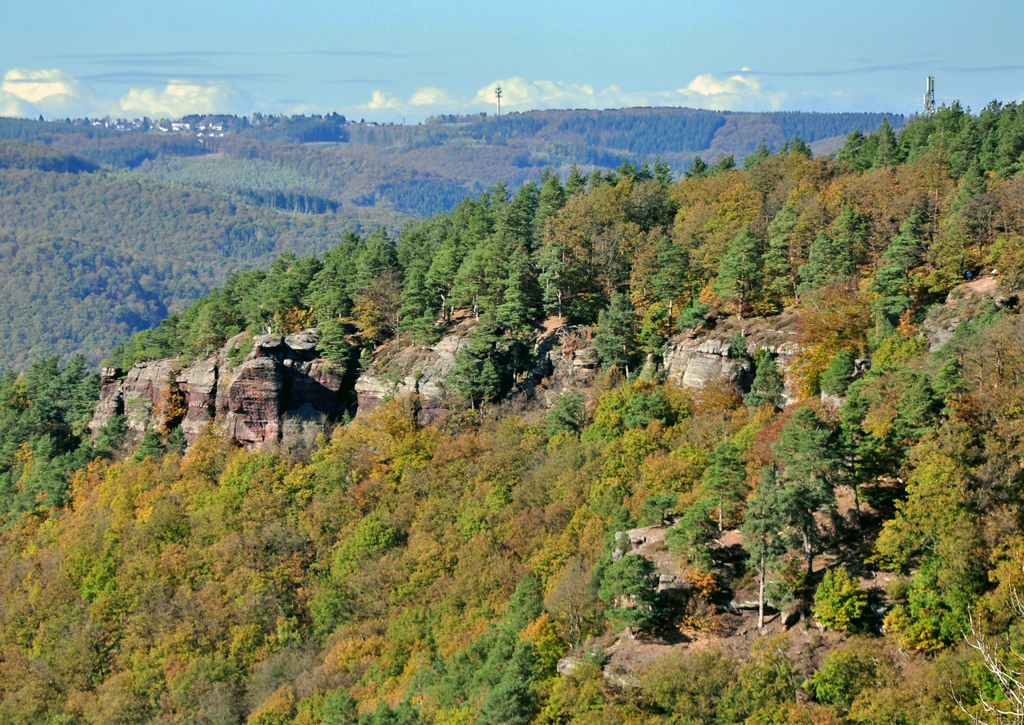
(410, 574)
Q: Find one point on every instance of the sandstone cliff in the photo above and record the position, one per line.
(280, 392)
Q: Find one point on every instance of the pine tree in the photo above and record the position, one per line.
(376, 258)
(887, 153)
(836, 378)
(415, 298)
(739, 269)
(778, 268)
(550, 199)
(698, 167)
(176, 442)
(443, 268)
(891, 280)
(724, 483)
(152, 445)
(615, 335)
(764, 520)
(768, 385)
(828, 262)
(670, 276)
(576, 182)
(519, 306)
(807, 454)
(760, 155)
(479, 372)
(333, 345)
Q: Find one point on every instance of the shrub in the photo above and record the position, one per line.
(839, 603)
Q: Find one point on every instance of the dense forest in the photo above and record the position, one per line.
(88, 259)
(477, 570)
(151, 220)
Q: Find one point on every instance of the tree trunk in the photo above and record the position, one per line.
(721, 526)
(760, 594)
(809, 553)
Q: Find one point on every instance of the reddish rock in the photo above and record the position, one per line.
(255, 399)
(198, 384)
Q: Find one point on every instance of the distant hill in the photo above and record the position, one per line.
(104, 231)
(88, 259)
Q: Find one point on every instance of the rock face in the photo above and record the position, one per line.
(280, 393)
(695, 361)
(414, 369)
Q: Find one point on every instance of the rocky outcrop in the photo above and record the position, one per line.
(696, 359)
(279, 393)
(695, 362)
(414, 369)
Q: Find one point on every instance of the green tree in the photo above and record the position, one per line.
(837, 376)
(724, 483)
(339, 708)
(892, 280)
(152, 445)
(698, 167)
(768, 385)
(479, 372)
(334, 345)
(839, 602)
(739, 270)
(764, 520)
(628, 587)
(568, 415)
(829, 261)
(615, 335)
(806, 452)
(779, 280)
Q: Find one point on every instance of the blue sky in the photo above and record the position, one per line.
(388, 60)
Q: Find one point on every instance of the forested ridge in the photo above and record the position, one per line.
(227, 201)
(439, 574)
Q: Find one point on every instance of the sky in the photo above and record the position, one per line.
(399, 60)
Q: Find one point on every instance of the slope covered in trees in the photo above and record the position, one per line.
(408, 574)
(88, 259)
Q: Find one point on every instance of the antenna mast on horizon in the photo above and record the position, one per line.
(929, 97)
(497, 93)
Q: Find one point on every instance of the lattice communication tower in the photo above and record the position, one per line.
(929, 97)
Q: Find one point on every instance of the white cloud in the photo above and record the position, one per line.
(179, 98)
(432, 96)
(53, 93)
(382, 100)
(740, 92)
(38, 85)
(27, 92)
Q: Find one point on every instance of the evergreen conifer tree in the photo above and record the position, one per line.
(739, 270)
(891, 280)
(576, 182)
(829, 262)
(768, 385)
(479, 372)
(724, 483)
(836, 378)
(764, 520)
(778, 269)
(152, 445)
(808, 457)
(698, 167)
(615, 336)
